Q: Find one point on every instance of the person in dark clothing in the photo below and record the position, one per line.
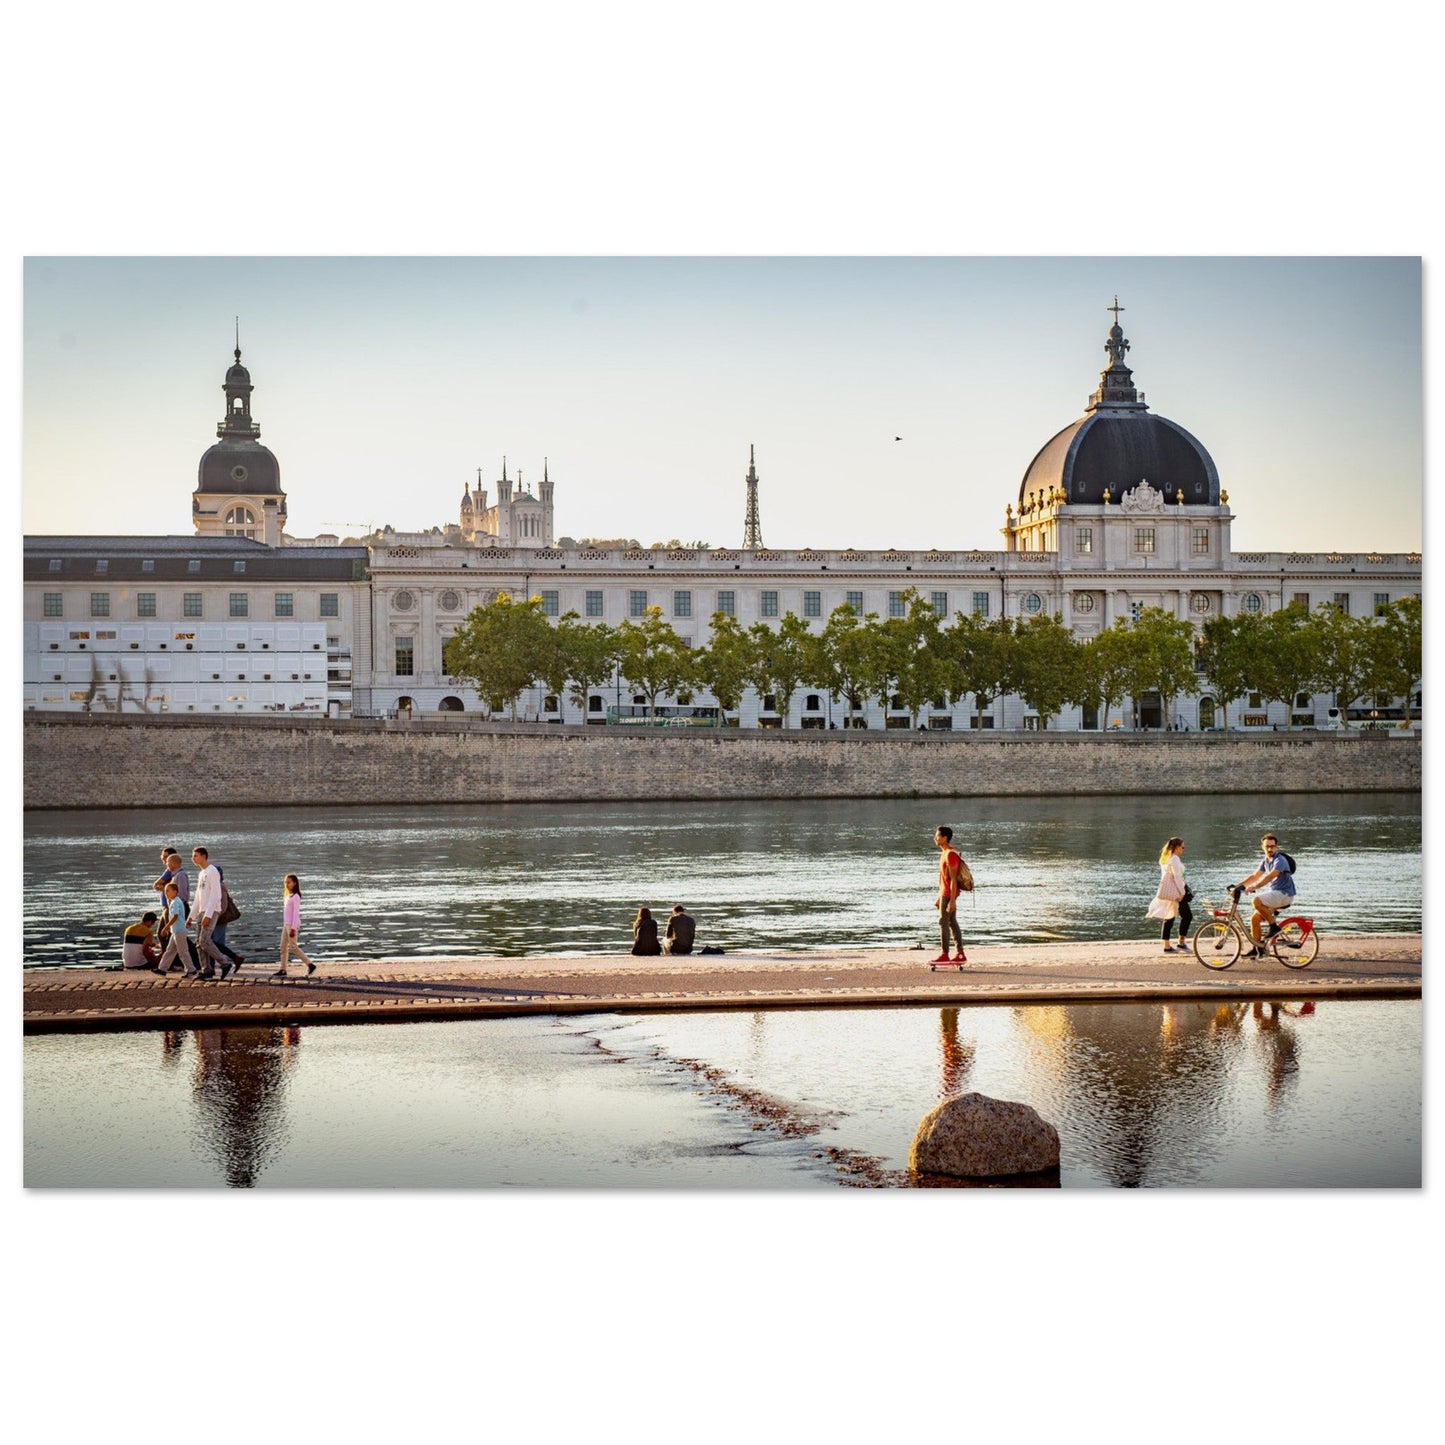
(644, 933)
(681, 930)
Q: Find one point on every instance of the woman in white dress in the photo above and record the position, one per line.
(1171, 901)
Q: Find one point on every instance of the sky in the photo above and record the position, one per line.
(892, 401)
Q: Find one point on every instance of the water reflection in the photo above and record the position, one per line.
(239, 1088)
(955, 1056)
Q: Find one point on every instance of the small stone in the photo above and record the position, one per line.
(972, 1136)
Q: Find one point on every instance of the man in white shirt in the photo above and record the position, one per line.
(206, 910)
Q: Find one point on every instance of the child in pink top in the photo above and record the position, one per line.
(291, 927)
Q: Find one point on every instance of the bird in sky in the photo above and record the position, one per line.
(898, 439)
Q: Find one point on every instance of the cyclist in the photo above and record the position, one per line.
(1272, 884)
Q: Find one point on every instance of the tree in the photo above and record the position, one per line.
(1048, 665)
(586, 653)
(728, 662)
(850, 658)
(914, 654)
(1342, 645)
(981, 658)
(1104, 667)
(1160, 651)
(1286, 661)
(499, 649)
(782, 659)
(653, 657)
(1230, 644)
(1393, 653)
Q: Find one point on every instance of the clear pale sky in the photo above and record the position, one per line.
(383, 384)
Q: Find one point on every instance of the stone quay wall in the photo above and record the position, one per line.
(87, 762)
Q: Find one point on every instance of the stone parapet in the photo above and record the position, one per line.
(80, 762)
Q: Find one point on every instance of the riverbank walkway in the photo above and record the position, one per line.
(1377, 965)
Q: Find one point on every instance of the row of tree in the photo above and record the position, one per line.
(504, 647)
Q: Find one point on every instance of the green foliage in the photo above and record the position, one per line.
(1160, 656)
(653, 657)
(1393, 657)
(782, 659)
(585, 654)
(1105, 667)
(1344, 649)
(1287, 658)
(913, 659)
(1049, 671)
(727, 663)
(1230, 645)
(851, 661)
(499, 649)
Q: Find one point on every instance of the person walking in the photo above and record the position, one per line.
(218, 933)
(681, 930)
(175, 872)
(176, 934)
(1171, 900)
(207, 913)
(950, 868)
(291, 928)
(644, 933)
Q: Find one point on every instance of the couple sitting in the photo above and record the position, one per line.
(681, 929)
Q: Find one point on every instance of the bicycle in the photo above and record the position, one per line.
(1222, 937)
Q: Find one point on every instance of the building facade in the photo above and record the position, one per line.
(1121, 510)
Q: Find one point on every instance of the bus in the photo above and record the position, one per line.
(663, 716)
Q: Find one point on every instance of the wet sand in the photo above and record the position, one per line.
(1378, 965)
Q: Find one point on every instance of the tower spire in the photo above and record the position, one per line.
(1116, 382)
(752, 527)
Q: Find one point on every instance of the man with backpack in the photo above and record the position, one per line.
(953, 878)
(1272, 884)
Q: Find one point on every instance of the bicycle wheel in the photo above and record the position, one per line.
(1293, 947)
(1216, 944)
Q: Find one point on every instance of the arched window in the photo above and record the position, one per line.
(450, 704)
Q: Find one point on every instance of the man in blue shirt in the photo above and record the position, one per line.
(1272, 884)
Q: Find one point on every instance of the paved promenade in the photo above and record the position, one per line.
(68, 1000)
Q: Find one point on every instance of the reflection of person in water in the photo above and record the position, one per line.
(240, 1096)
(1280, 1045)
(955, 1058)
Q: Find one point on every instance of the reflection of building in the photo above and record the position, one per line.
(1119, 511)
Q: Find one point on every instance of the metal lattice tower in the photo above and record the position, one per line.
(752, 528)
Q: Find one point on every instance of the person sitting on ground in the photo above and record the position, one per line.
(681, 930)
(139, 947)
(644, 933)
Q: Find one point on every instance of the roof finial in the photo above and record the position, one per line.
(479, 479)
(1116, 308)
(238, 338)
(504, 469)
(545, 477)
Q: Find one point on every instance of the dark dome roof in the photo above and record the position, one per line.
(1118, 450)
(238, 373)
(241, 468)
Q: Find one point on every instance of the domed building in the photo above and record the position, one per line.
(1120, 459)
(238, 490)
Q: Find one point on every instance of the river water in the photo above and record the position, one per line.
(551, 878)
(1208, 1094)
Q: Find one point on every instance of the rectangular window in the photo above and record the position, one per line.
(768, 604)
(636, 603)
(148, 564)
(102, 565)
(682, 604)
(1342, 601)
(405, 656)
(240, 604)
(56, 564)
(980, 604)
(1199, 543)
(895, 605)
(939, 601)
(285, 604)
(551, 604)
(1084, 539)
(54, 604)
(1301, 600)
(594, 604)
(238, 567)
(855, 601)
(1143, 539)
(145, 604)
(100, 604)
(331, 604)
(812, 604)
(727, 603)
(191, 604)
(1382, 603)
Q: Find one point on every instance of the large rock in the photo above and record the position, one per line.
(975, 1137)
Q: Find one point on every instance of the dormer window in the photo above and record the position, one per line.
(193, 566)
(238, 567)
(147, 564)
(55, 564)
(101, 565)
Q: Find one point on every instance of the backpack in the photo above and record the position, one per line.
(965, 876)
(1280, 853)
